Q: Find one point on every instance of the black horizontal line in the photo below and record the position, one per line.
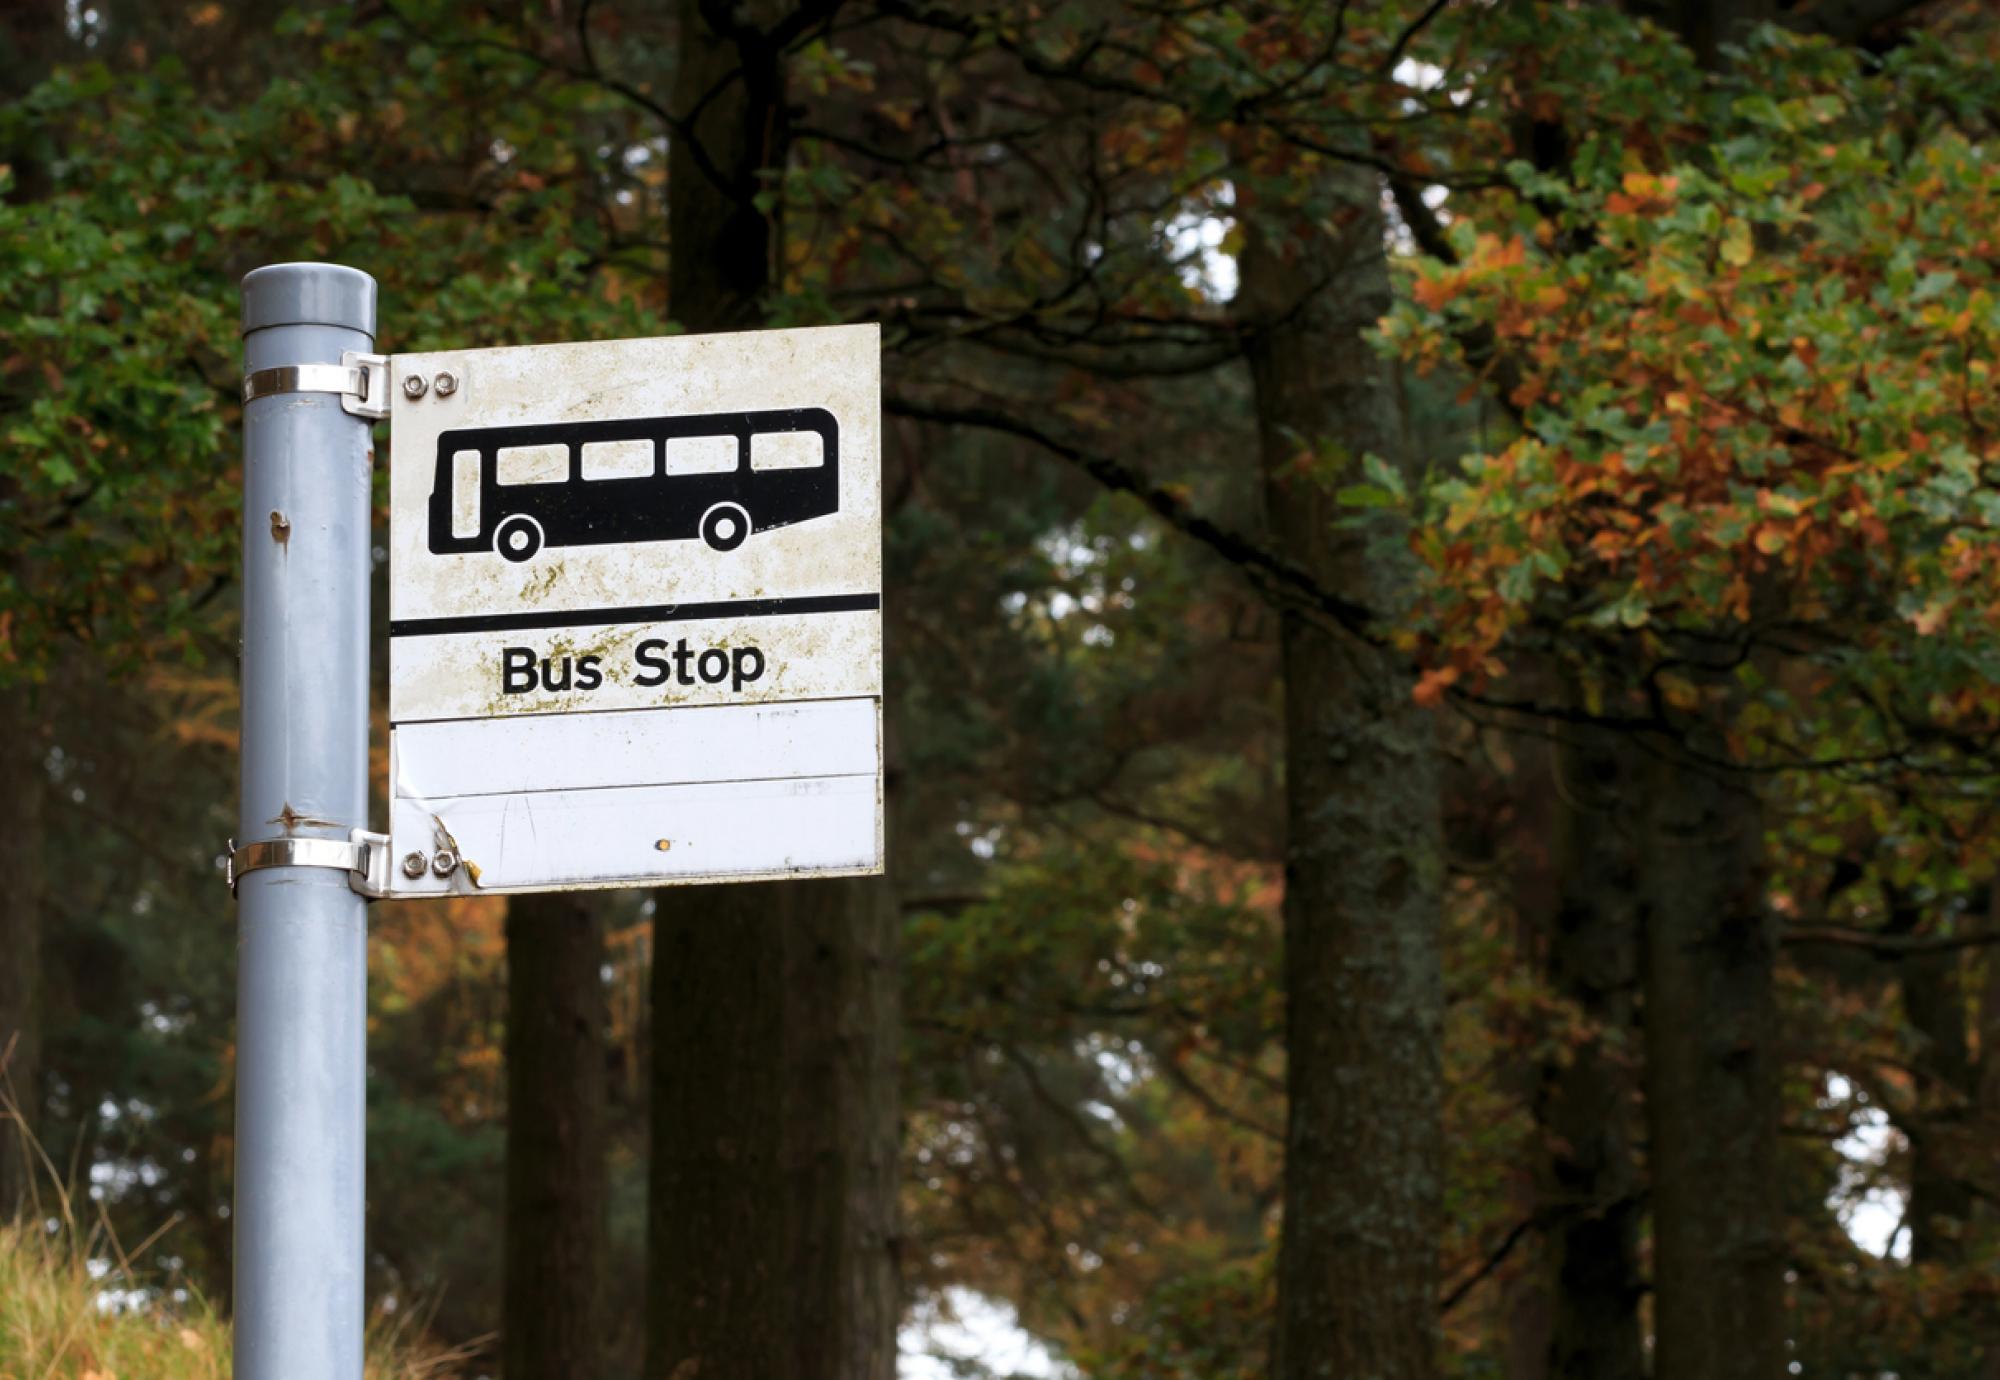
(636, 613)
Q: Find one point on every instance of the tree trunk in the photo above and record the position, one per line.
(1576, 892)
(774, 1143)
(1357, 1269)
(23, 788)
(1712, 1083)
(723, 248)
(1943, 1140)
(1591, 1198)
(1523, 1320)
(555, 1214)
(771, 1225)
(1711, 1021)
(1523, 1317)
(1986, 1123)
(1934, 1000)
(33, 40)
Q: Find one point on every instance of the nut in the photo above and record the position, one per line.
(414, 864)
(444, 862)
(415, 385)
(447, 383)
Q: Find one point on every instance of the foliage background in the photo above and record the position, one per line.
(1702, 419)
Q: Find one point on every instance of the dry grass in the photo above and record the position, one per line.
(53, 1323)
(68, 1312)
(73, 1306)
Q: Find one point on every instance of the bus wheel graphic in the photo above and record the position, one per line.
(518, 538)
(725, 526)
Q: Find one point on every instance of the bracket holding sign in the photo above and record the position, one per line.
(635, 596)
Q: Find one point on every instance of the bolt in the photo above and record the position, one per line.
(413, 864)
(447, 383)
(445, 862)
(414, 386)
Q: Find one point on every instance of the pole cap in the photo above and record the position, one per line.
(309, 295)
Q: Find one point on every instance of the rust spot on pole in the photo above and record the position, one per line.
(281, 528)
(291, 819)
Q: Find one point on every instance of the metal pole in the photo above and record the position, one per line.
(302, 975)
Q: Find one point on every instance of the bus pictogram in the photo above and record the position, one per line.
(517, 489)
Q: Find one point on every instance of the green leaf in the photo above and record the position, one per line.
(1737, 248)
(1368, 496)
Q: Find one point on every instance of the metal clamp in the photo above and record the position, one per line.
(364, 858)
(361, 380)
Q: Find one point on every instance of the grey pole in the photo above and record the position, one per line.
(302, 973)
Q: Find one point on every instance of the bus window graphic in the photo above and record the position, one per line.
(517, 489)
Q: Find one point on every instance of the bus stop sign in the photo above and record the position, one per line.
(635, 612)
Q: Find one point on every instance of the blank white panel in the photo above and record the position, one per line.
(628, 836)
(636, 747)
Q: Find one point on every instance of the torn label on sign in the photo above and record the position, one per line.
(636, 612)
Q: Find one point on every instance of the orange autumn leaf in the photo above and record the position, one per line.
(1432, 291)
(1432, 684)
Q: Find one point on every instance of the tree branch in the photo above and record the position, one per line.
(1493, 1261)
(1886, 946)
(1278, 579)
(1850, 21)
